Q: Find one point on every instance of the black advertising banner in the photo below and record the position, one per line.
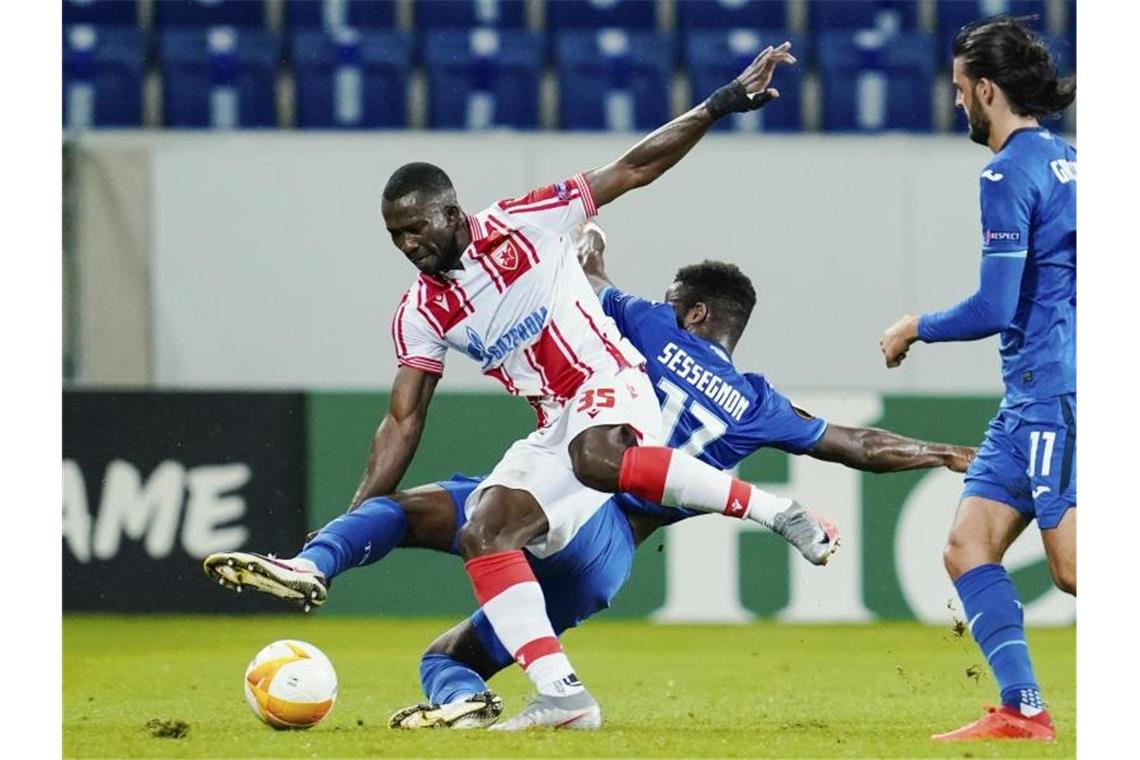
(153, 482)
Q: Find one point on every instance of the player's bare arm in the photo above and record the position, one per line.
(399, 433)
(590, 243)
(659, 151)
(876, 450)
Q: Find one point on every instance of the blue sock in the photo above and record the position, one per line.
(446, 680)
(359, 537)
(997, 623)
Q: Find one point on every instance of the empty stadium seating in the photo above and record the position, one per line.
(219, 77)
(482, 78)
(351, 79)
(615, 64)
(613, 79)
(102, 76)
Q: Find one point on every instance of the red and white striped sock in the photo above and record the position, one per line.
(675, 479)
(512, 600)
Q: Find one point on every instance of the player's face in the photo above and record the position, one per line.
(966, 98)
(423, 231)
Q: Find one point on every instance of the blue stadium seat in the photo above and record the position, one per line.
(174, 13)
(351, 79)
(613, 79)
(467, 14)
(221, 77)
(954, 14)
(731, 14)
(333, 14)
(716, 57)
(102, 76)
(100, 12)
(872, 81)
(886, 15)
(598, 14)
(482, 78)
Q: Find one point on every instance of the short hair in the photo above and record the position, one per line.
(1005, 51)
(417, 177)
(722, 286)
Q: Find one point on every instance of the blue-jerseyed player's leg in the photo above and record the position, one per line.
(1024, 470)
(426, 517)
(577, 582)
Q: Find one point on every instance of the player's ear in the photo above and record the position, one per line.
(453, 215)
(696, 314)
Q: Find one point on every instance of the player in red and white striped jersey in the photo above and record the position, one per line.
(504, 287)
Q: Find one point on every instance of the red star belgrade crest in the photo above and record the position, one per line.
(505, 256)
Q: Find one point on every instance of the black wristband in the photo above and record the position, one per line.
(732, 98)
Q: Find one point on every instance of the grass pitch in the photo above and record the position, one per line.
(762, 690)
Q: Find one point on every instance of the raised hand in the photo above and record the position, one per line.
(758, 75)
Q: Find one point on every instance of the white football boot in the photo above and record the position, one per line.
(475, 711)
(292, 581)
(578, 712)
(813, 534)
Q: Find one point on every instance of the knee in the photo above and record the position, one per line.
(1064, 576)
(961, 555)
(596, 454)
(477, 539)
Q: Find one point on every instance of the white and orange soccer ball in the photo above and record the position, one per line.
(290, 684)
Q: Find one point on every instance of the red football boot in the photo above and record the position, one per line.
(1002, 723)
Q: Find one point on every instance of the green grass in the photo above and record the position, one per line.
(763, 690)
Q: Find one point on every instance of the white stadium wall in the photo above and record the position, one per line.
(265, 264)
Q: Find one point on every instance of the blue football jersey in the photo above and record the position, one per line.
(709, 409)
(1029, 207)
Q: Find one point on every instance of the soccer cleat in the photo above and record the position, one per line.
(579, 712)
(1003, 723)
(475, 711)
(813, 534)
(280, 578)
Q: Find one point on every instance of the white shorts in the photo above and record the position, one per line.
(540, 463)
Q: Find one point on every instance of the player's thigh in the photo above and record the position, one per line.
(473, 643)
(502, 519)
(1061, 549)
(983, 530)
(434, 513)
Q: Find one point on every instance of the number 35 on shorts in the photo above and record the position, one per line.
(596, 398)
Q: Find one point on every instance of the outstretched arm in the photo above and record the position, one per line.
(399, 433)
(590, 242)
(988, 311)
(877, 450)
(655, 154)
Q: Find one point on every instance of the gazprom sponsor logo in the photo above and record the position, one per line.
(524, 331)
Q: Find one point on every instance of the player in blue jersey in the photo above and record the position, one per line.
(1027, 466)
(707, 310)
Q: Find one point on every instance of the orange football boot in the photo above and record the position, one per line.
(1003, 723)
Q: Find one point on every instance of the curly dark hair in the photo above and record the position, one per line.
(725, 289)
(1005, 51)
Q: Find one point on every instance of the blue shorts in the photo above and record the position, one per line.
(577, 581)
(1029, 460)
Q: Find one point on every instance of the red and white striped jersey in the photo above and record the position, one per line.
(520, 305)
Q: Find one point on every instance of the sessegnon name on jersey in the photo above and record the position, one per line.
(724, 395)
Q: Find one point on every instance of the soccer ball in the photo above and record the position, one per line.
(290, 684)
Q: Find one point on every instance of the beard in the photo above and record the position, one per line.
(979, 125)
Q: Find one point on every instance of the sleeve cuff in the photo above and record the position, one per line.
(588, 202)
(421, 363)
